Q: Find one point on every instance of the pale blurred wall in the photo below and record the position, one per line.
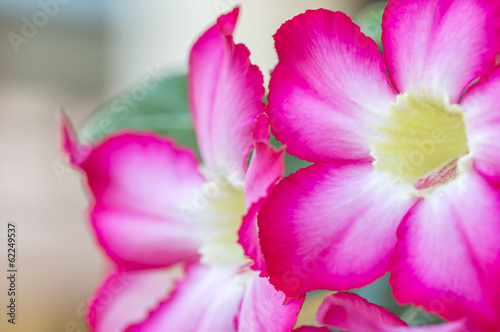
(62, 64)
(85, 53)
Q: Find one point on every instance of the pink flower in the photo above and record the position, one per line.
(350, 312)
(407, 166)
(155, 206)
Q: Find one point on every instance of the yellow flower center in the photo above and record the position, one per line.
(225, 209)
(422, 140)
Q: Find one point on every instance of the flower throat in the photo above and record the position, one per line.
(422, 141)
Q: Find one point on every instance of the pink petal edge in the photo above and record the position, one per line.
(440, 46)
(330, 226)
(353, 313)
(145, 188)
(225, 96)
(263, 308)
(206, 300)
(443, 261)
(127, 297)
(328, 89)
(480, 104)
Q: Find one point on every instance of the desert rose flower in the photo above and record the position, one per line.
(406, 157)
(350, 312)
(154, 206)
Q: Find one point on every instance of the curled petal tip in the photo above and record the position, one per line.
(261, 128)
(77, 153)
(227, 22)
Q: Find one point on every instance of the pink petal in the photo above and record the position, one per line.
(264, 309)
(248, 237)
(331, 226)
(482, 117)
(225, 94)
(456, 326)
(227, 22)
(145, 191)
(261, 128)
(312, 329)
(440, 45)
(126, 297)
(207, 300)
(448, 255)
(266, 168)
(351, 312)
(329, 86)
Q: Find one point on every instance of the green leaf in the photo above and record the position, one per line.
(370, 20)
(292, 163)
(161, 106)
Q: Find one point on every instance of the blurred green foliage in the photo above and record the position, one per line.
(369, 19)
(161, 107)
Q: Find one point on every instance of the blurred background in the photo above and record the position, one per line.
(79, 55)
